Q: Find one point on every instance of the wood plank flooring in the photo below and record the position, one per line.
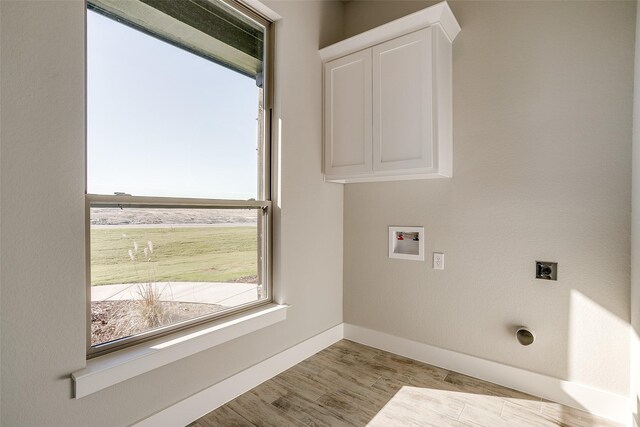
(349, 384)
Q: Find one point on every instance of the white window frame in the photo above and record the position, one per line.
(263, 203)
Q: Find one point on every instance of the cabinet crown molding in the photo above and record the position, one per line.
(438, 14)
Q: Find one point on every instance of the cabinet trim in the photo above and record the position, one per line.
(439, 14)
(391, 176)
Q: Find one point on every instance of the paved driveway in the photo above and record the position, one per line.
(225, 294)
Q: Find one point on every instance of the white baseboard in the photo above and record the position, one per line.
(599, 402)
(193, 407)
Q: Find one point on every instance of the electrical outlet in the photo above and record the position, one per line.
(438, 261)
(546, 270)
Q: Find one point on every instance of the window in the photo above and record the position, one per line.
(178, 188)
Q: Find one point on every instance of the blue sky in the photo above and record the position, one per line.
(164, 122)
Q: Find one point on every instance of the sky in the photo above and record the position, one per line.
(164, 122)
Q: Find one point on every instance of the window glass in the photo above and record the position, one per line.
(165, 122)
(178, 203)
(153, 267)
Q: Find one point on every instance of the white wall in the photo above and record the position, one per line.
(635, 237)
(542, 171)
(41, 235)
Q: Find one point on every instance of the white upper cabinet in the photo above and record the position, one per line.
(387, 100)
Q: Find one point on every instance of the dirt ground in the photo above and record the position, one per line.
(118, 319)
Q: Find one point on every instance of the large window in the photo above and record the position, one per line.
(178, 201)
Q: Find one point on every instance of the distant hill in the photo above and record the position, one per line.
(138, 216)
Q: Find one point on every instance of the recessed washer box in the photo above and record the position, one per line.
(406, 243)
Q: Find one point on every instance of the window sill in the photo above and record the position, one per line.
(113, 368)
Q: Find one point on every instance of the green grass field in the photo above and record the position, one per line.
(202, 254)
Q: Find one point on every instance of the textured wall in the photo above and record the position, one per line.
(41, 237)
(542, 171)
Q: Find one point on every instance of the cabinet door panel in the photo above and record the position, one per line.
(347, 107)
(403, 103)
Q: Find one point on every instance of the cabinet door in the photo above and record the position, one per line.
(347, 115)
(403, 103)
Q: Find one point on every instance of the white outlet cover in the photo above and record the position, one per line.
(438, 261)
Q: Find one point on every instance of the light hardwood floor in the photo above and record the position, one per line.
(349, 384)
